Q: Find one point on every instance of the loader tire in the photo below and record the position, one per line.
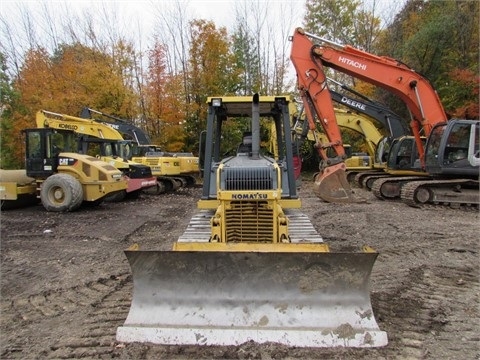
(61, 193)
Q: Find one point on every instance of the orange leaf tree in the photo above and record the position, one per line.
(212, 72)
(164, 103)
(73, 77)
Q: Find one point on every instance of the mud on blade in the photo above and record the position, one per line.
(228, 298)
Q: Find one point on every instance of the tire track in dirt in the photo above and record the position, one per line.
(97, 337)
(422, 312)
(107, 297)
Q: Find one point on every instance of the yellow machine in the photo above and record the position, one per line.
(62, 178)
(250, 266)
(165, 167)
(105, 143)
(178, 169)
(363, 126)
(17, 189)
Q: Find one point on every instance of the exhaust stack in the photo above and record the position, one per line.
(255, 127)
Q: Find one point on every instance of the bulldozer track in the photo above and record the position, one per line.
(430, 299)
(421, 309)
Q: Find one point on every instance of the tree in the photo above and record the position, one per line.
(333, 19)
(246, 59)
(10, 137)
(344, 22)
(260, 43)
(440, 40)
(73, 77)
(212, 71)
(164, 101)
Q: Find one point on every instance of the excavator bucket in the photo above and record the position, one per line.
(331, 185)
(301, 299)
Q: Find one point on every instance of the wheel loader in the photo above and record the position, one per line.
(107, 144)
(250, 266)
(62, 179)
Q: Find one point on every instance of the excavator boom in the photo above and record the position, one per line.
(170, 167)
(390, 74)
(110, 143)
(331, 182)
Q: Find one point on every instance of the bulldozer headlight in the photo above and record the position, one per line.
(217, 102)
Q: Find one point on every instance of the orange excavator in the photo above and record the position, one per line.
(448, 150)
(331, 182)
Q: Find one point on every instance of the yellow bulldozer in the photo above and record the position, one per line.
(250, 266)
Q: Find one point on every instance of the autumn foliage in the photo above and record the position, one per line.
(163, 88)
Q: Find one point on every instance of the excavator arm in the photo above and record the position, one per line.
(134, 132)
(47, 119)
(363, 126)
(395, 125)
(331, 182)
(416, 91)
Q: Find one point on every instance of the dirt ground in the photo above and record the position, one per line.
(66, 284)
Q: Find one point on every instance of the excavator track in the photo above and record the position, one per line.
(367, 181)
(461, 193)
(300, 228)
(389, 188)
(356, 177)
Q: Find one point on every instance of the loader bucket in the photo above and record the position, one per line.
(331, 185)
(298, 299)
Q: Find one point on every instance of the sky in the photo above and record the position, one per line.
(220, 11)
(136, 17)
(143, 13)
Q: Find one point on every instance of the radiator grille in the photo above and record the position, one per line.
(249, 221)
(247, 178)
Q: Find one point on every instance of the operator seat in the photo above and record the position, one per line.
(246, 146)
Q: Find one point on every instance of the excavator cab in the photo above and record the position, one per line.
(453, 148)
(403, 158)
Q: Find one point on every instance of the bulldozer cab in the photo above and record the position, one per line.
(233, 135)
(43, 147)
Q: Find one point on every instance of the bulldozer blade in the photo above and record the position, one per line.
(299, 299)
(331, 185)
